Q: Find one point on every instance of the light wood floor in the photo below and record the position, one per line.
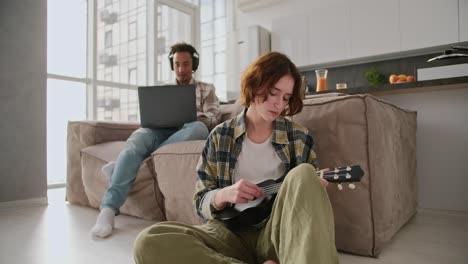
(59, 233)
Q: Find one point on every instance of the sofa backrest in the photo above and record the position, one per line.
(229, 111)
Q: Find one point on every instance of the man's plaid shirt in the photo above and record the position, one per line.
(292, 142)
(207, 103)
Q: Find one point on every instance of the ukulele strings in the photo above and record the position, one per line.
(273, 188)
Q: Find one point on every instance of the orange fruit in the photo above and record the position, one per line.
(410, 78)
(402, 77)
(393, 78)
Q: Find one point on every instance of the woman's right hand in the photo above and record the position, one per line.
(240, 192)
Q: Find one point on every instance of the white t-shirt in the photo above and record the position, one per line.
(258, 162)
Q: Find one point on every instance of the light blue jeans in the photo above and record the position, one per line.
(140, 145)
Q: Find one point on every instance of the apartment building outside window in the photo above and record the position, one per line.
(122, 58)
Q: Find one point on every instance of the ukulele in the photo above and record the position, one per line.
(257, 211)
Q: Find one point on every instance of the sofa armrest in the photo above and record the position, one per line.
(81, 134)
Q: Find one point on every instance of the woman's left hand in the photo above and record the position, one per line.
(322, 180)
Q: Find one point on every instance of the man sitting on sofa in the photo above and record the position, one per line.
(184, 60)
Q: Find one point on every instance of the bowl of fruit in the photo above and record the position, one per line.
(401, 78)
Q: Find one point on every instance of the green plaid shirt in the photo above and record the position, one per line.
(292, 142)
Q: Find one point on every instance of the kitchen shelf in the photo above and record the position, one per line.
(409, 87)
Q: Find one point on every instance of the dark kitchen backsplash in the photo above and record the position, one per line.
(354, 75)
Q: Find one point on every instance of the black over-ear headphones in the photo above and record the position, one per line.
(192, 51)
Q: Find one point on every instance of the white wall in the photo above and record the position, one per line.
(23, 54)
(442, 122)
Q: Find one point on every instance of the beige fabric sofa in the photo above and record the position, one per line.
(348, 129)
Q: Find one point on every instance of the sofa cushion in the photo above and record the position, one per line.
(175, 167)
(144, 199)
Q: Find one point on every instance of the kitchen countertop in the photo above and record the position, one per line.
(408, 87)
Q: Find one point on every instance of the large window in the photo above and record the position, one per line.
(173, 24)
(100, 51)
(66, 79)
(132, 44)
(213, 44)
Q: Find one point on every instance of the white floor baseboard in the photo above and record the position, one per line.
(23, 203)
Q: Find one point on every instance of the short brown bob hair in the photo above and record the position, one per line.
(266, 71)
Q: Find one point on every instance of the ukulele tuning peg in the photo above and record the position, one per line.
(351, 186)
(335, 177)
(336, 170)
(340, 187)
(348, 176)
(348, 168)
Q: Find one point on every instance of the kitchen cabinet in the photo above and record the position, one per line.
(316, 37)
(463, 19)
(374, 27)
(329, 32)
(340, 29)
(290, 37)
(426, 23)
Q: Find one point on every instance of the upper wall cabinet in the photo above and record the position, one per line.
(426, 23)
(463, 19)
(290, 37)
(314, 38)
(249, 5)
(329, 32)
(374, 27)
(342, 29)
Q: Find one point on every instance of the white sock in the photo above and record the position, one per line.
(104, 223)
(108, 169)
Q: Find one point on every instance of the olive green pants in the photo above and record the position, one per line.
(300, 230)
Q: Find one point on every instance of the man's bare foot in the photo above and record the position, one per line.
(269, 262)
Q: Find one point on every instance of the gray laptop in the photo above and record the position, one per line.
(167, 106)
